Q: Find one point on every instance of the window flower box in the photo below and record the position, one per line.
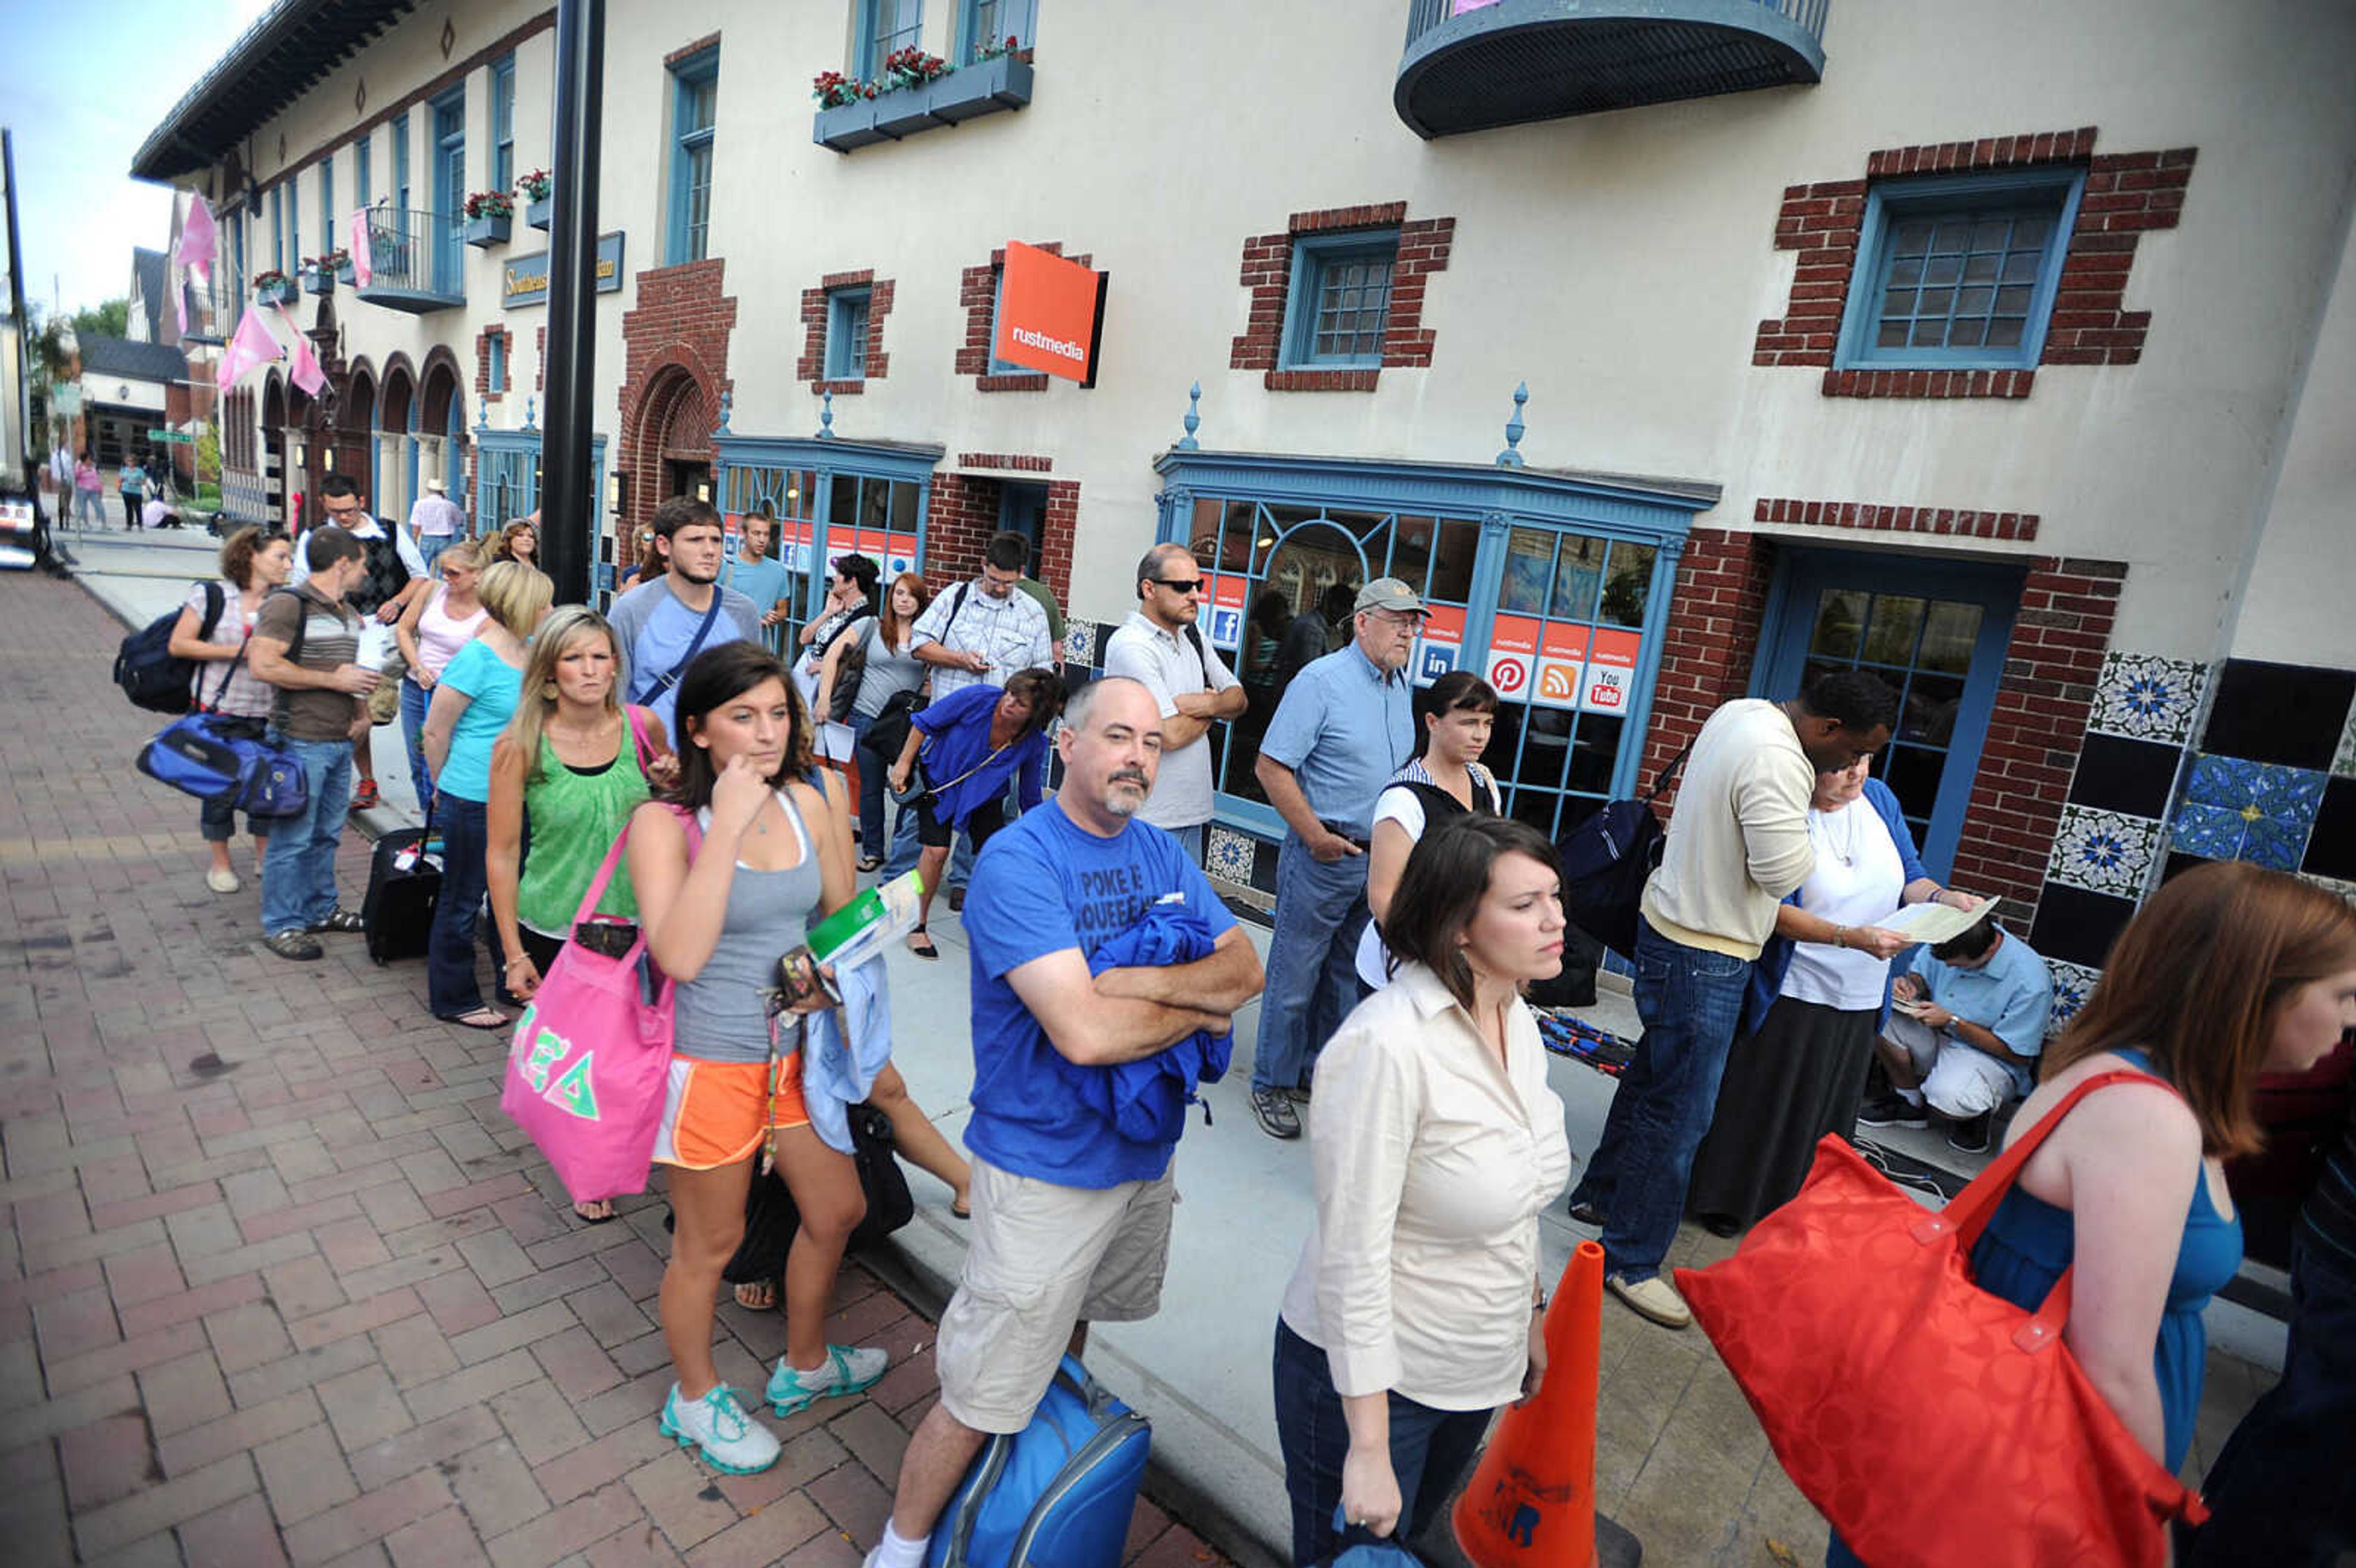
(538, 189)
(491, 214)
(318, 280)
(985, 87)
(539, 214)
(871, 113)
(273, 287)
(847, 126)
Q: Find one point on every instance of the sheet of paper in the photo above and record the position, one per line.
(1934, 921)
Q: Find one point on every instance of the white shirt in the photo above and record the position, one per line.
(1167, 665)
(1858, 881)
(435, 516)
(1432, 1164)
(366, 528)
(1403, 805)
(1012, 632)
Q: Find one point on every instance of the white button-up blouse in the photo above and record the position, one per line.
(1432, 1162)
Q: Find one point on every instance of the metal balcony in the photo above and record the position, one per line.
(1512, 61)
(212, 306)
(416, 261)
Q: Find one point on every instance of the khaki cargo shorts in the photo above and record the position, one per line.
(1043, 1259)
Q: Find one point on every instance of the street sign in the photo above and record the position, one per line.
(178, 436)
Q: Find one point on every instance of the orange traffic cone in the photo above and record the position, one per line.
(1531, 1501)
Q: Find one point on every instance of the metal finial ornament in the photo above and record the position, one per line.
(1193, 420)
(529, 411)
(727, 402)
(826, 415)
(1511, 457)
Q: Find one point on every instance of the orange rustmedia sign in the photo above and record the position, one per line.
(1050, 313)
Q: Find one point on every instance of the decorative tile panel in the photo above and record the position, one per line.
(2104, 851)
(2073, 984)
(1227, 855)
(2290, 714)
(2147, 697)
(1080, 643)
(2077, 926)
(2343, 761)
(2235, 809)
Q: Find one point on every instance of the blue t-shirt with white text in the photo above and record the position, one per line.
(1041, 885)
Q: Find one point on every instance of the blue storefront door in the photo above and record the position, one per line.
(449, 191)
(1935, 631)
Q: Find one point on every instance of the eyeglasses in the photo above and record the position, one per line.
(1189, 585)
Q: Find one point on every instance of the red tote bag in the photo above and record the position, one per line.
(1935, 1425)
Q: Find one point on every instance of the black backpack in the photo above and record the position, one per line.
(1606, 860)
(145, 667)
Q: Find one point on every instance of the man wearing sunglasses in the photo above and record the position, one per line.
(1160, 647)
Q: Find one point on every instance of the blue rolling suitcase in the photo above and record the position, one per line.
(1058, 1494)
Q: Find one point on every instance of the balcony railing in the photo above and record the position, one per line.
(416, 261)
(212, 306)
(1507, 62)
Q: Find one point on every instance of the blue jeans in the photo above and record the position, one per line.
(217, 819)
(870, 787)
(430, 546)
(298, 870)
(1430, 1451)
(2278, 1494)
(1689, 1001)
(414, 700)
(450, 985)
(1312, 962)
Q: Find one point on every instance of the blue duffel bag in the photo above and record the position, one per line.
(193, 758)
(1058, 1494)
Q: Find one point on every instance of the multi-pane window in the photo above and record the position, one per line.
(1959, 269)
(846, 334)
(400, 160)
(695, 103)
(294, 223)
(327, 204)
(988, 24)
(494, 362)
(1922, 648)
(278, 226)
(884, 27)
(997, 291)
(1340, 300)
(363, 177)
(503, 123)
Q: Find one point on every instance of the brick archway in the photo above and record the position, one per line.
(672, 423)
(675, 372)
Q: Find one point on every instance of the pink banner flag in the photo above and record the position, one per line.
(249, 349)
(199, 242)
(362, 266)
(304, 368)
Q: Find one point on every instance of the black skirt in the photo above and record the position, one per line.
(1798, 1078)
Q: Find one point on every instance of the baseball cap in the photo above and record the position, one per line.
(1388, 593)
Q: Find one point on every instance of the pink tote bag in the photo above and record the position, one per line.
(591, 1057)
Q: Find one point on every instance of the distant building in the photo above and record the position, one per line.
(128, 389)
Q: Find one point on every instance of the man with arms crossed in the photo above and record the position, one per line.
(662, 624)
(1071, 1219)
(1738, 843)
(1159, 647)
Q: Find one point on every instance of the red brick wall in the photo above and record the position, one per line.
(812, 365)
(1868, 516)
(1423, 250)
(2126, 192)
(2038, 726)
(963, 514)
(978, 293)
(483, 362)
(679, 331)
(1719, 601)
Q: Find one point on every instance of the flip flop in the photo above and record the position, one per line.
(927, 949)
(960, 1212)
(764, 1294)
(484, 1019)
(608, 1218)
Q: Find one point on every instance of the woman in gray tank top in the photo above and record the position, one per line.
(720, 908)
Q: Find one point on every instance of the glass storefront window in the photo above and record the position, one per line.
(823, 513)
(1923, 648)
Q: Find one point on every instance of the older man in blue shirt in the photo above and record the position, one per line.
(1344, 727)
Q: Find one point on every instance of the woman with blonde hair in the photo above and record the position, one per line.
(574, 765)
(472, 703)
(431, 630)
(2229, 971)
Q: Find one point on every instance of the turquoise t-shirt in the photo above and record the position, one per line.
(493, 685)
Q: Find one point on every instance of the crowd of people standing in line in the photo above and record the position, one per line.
(1412, 913)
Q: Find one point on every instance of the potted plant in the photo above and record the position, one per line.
(537, 188)
(905, 106)
(271, 287)
(318, 278)
(999, 79)
(340, 262)
(846, 111)
(489, 216)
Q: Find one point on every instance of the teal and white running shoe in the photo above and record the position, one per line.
(730, 1440)
(847, 1371)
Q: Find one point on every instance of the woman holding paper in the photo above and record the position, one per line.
(1818, 994)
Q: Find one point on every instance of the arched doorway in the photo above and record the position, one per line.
(666, 446)
(273, 450)
(356, 428)
(395, 490)
(441, 427)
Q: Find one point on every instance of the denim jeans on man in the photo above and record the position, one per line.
(1430, 1451)
(298, 870)
(2280, 1494)
(1689, 1001)
(450, 989)
(431, 546)
(414, 700)
(1312, 962)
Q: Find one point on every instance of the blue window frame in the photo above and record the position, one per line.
(1340, 300)
(495, 363)
(503, 123)
(327, 204)
(883, 27)
(695, 105)
(278, 226)
(984, 23)
(846, 333)
(363, 175)
(1000, 367)
(828, 497)
(401, 160)
(294, 223)
(1959, 270)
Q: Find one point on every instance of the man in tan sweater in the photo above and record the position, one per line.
(1738, 843)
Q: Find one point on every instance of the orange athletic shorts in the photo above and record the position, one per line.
(717, 1113)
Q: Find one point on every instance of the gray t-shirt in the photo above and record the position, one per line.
(885, 672)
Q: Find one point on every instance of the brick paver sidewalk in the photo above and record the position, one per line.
(279, 1284)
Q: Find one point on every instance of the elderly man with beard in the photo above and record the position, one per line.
(1071, 1218)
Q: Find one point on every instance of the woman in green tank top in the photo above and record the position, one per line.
(572, 765)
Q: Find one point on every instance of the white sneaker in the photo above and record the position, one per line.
(730, 1440)
(1654, 1298)
(221, 879)
(846, 1371)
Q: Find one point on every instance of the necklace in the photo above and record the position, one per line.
(1846, 851)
